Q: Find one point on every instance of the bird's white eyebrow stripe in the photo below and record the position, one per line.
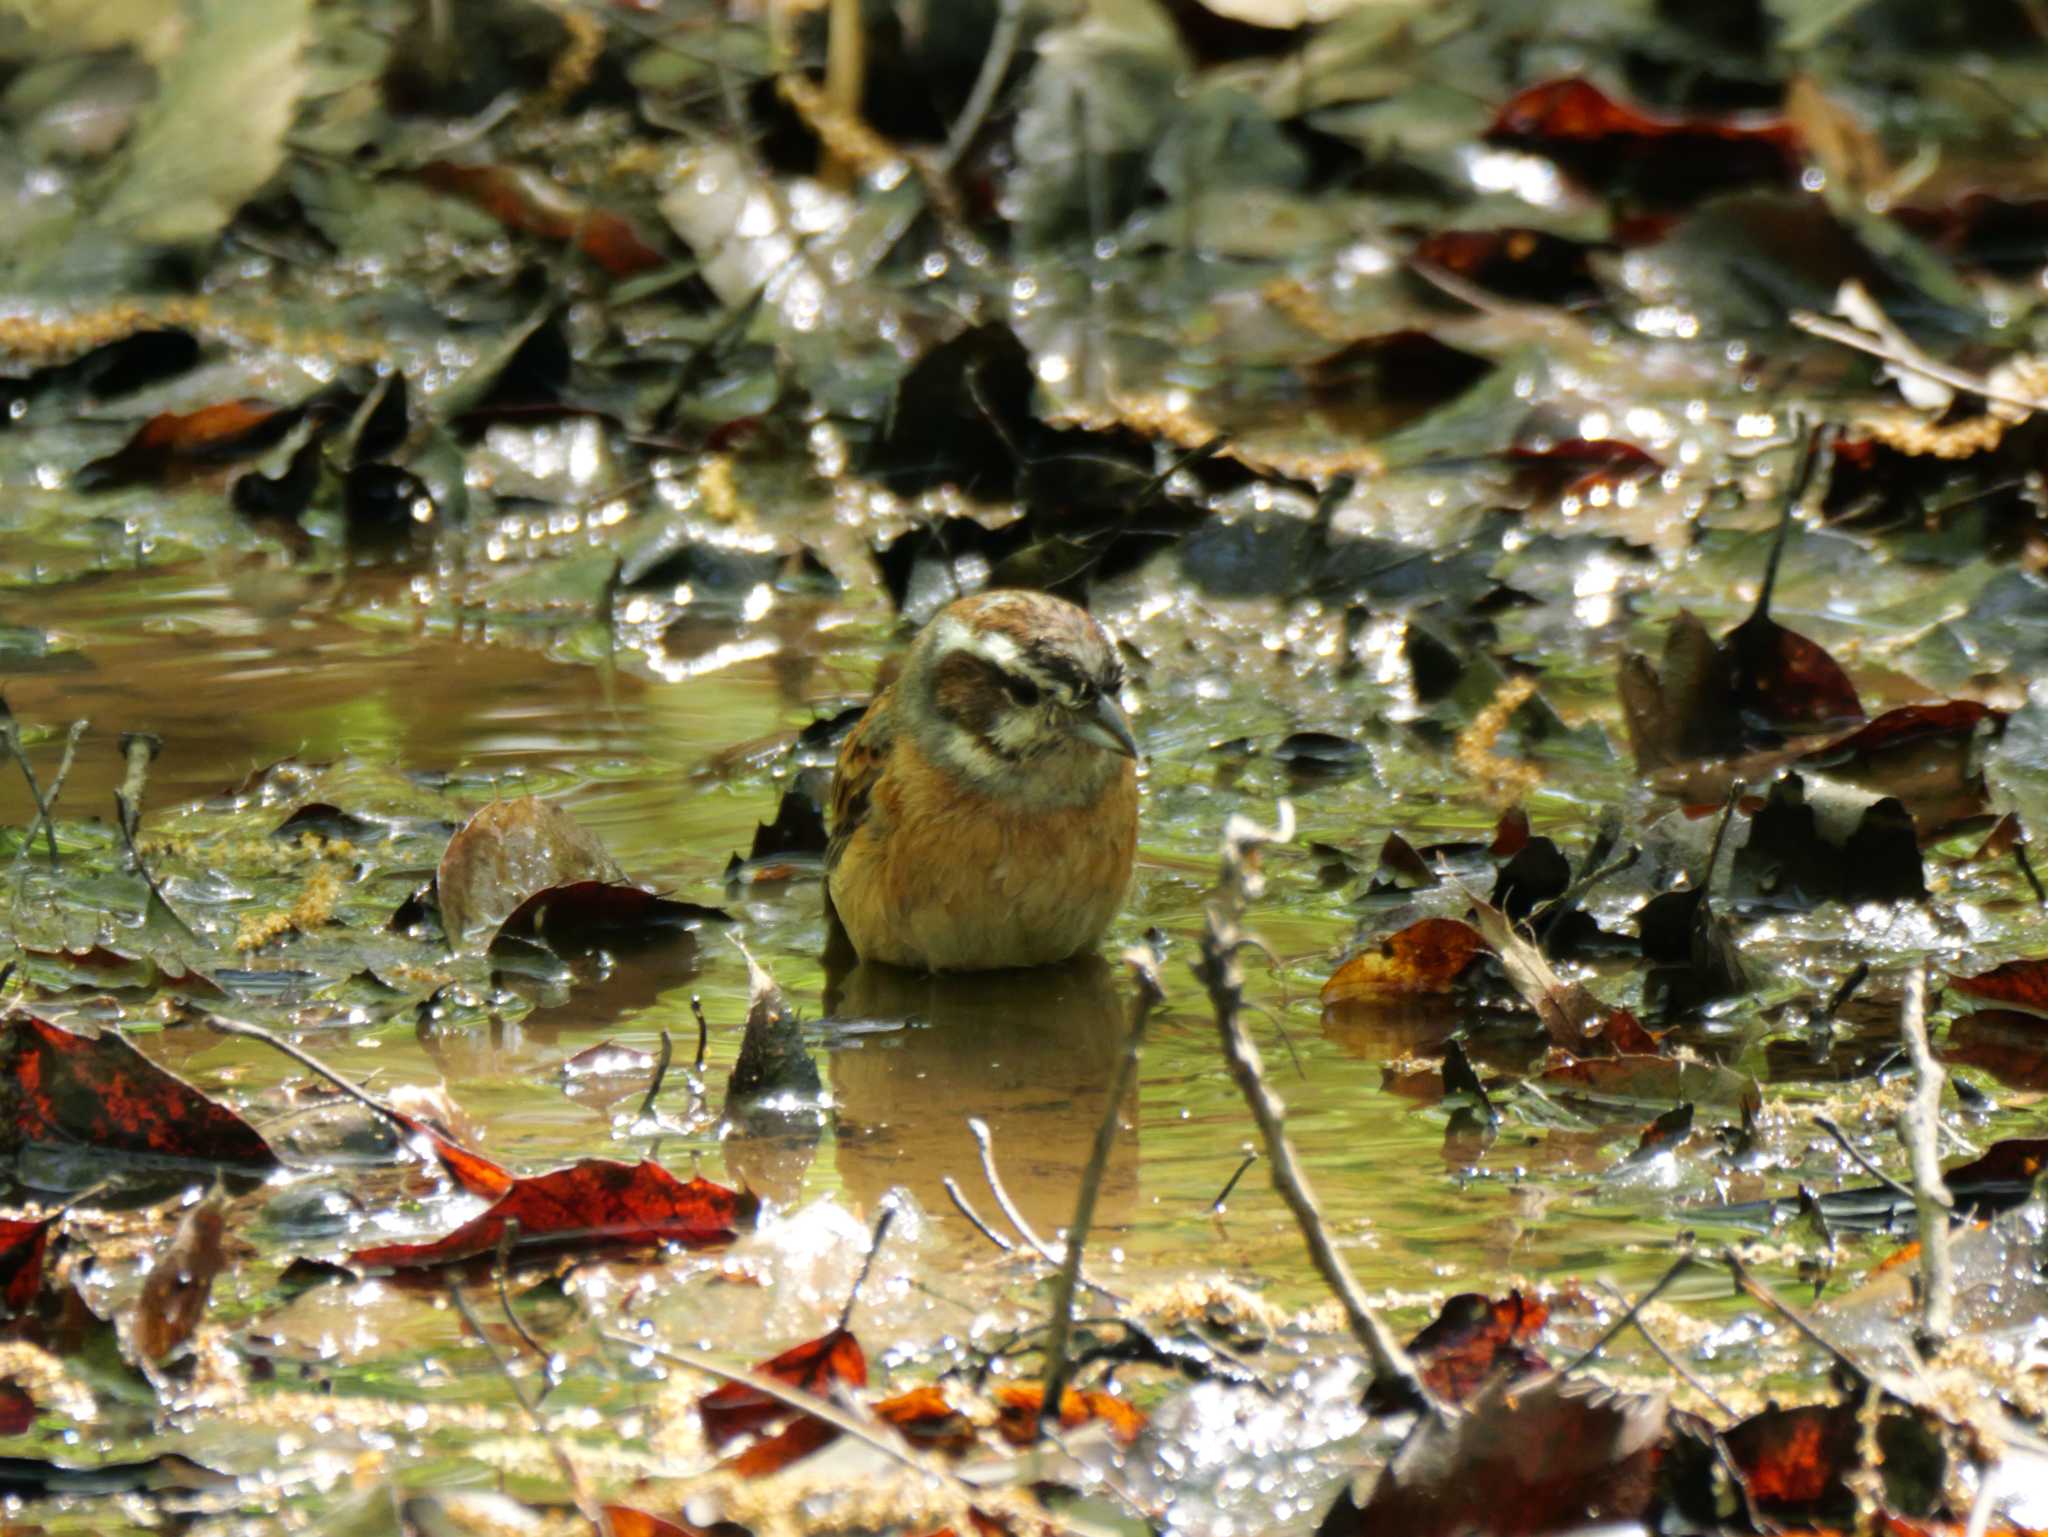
(998, 650)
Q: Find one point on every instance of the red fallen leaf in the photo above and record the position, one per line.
(1578, 466)
(1793, 1461)
(771, 1454)
(1785, 680)
(597, 1202)
(171, 446)
(1621, 1030)
(22, 1247)
(1551, 1454)
(735, 1408)
(1510, 834)
(604, 909)
(1907, 723)
(1397, 375)
(102, 1092)
(1999, 1176)
(2017, 985)
(1518, 263)
(1653, 1079)
(523, 200)
(17, 1410)
(175, 1291)
(1669, 1129)
(471, 1170)
(927, 1421)
(1473, 1337)
(2010, 1045)
(1427, 957)
(1664, 160)
(1017, 1412)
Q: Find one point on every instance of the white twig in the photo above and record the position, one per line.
(1393, 1372)
(1919, 1126)
(1846, 335)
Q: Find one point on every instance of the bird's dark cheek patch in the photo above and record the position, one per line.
(968, 692)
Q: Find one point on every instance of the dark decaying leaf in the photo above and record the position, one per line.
(2009, 1044)
(174, 1293)
(1526, 1457)
(1577, 467)
(595, 1204)
(579, 914)
(1796, 1463)
(171, 447)
(773, 1068)
(734, 1409)
(1428, 958)
(23, 1245)
(1516, 262)
(796, 836)
(1473, 1338)
(18, 1410)
(926, 1420)
(1866, 851)
(57, 1087)
(1662, 160)
(1927, 756)
(287, 495)
(1388, 380)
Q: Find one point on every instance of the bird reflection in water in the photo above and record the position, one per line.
(1030, 1052)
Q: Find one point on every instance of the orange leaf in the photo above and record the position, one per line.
(1425, 958)
(736, 1408)
(1017, 1412)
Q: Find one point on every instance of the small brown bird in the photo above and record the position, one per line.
(985, 809)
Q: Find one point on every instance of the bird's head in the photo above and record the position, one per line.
(1017, 693)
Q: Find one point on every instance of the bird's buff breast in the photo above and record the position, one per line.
(946, 879)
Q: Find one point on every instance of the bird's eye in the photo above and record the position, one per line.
(1023, 690)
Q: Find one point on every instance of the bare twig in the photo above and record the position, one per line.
(1842, 1141)
(985, 1140)
(1843, 334)
(1691, 1378)
(45, 822)
(1629, 1318)
(960, 1203)
(1144, 971)
(1230, 1184)
(703, 1033)
(501, 1264)
(874, 1247)
(668, 1051)
(586, 1502)
(10, 738)
(1918, 1130)
(1394, 1374)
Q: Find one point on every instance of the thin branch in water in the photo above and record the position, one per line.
(668, 1051)
(1144, 971)
(874, 1247)
(985, 1140)
(1230, 1184)
(140, 749)
(501, 1264)
(1628, 1318)
(703, 1032)
(10, 737)
(1919, 1125)
(46, 820)
(1844, 991)
(1842, 1141)
(1394, 1374)
(960, 1204)
(579, 1488)
(1751, 1286)
(1691, 1378)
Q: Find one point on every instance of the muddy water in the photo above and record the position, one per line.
(235, 672)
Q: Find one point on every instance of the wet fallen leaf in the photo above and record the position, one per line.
(103, 1093)
(1017, 1406)
(2021, 984)
(595, 1204)
(509, 852)
(172, 447)
(734, 1409)
(1473, 1338)
(2009, 1044)
(927, 1420)
(1664, 160)
(1526, 1457)
(23, 1245)
(1427, 957)
(1532, 265)
(175, 1291)
(625, 1521)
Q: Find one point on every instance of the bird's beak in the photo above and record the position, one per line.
(1105, 725)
